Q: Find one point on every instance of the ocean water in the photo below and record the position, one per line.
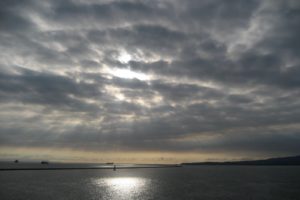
(202, 182)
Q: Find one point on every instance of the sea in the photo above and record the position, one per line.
(169, 183)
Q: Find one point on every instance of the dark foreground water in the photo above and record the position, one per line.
(203, 182)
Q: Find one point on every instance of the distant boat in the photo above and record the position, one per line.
(44, 162)
(16, 161)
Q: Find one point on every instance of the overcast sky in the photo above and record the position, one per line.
(149, 81)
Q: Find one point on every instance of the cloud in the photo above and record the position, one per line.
(217, 76)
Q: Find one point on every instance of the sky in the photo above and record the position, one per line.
(153, 81)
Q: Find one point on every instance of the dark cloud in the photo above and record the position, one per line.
(32, 87)
(72, 11)
(11, 19)
(194, 76)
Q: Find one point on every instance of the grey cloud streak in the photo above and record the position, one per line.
(221, 73)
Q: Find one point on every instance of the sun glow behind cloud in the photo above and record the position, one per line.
(129, 74)
(124, 57)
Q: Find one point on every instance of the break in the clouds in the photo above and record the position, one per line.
(203, 77)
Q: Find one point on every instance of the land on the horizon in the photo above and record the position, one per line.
(291, 160)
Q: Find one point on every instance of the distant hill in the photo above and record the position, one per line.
(292, 160)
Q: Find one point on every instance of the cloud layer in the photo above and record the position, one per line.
(151, 76)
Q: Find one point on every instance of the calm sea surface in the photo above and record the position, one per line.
(203, 182)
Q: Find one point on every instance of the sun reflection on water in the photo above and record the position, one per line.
(122, 187)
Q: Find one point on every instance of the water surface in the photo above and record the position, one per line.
(203, 182)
